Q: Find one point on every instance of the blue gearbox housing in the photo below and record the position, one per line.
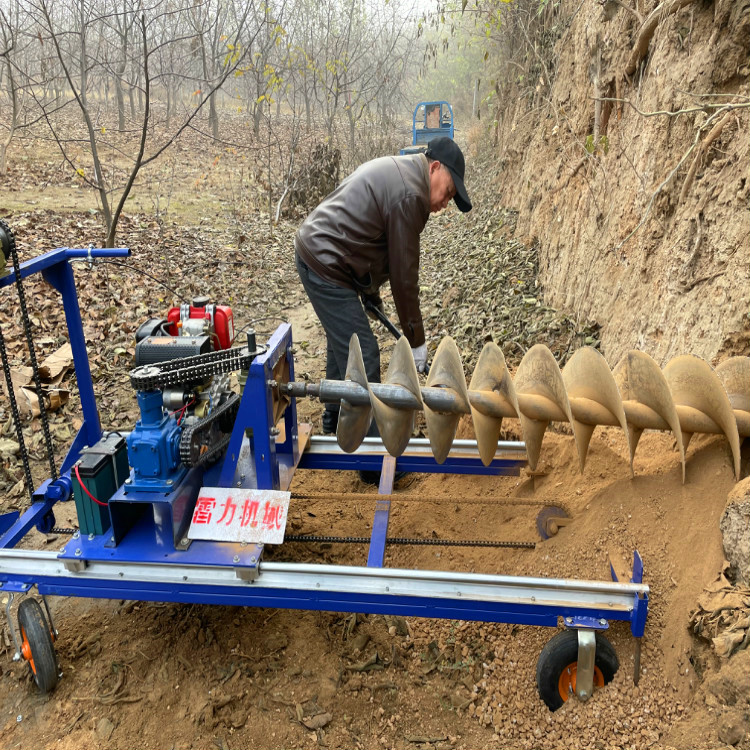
(154, 447)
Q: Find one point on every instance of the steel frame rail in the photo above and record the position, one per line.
(465, 596)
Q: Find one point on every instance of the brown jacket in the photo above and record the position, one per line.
(367, 232)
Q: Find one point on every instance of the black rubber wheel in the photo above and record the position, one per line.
(36, 645)
(556, 668)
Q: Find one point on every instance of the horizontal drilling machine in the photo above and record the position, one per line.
(181, 507)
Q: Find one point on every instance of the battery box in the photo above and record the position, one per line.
(103, 467)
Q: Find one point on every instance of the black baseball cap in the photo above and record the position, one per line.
(446, 151)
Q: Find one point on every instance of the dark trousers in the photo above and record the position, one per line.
(341, 314)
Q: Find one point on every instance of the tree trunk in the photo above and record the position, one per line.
(120, 103)
(213, 117)
(256, 118)
(82, 56)
(13, 119)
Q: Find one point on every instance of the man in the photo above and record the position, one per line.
(366, 232)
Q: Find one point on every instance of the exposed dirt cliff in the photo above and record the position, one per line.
(640, 205)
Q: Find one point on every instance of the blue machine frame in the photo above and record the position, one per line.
(146, 555)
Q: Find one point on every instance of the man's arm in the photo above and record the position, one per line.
(403, 227)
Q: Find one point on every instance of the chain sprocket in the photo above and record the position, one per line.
(194, 369)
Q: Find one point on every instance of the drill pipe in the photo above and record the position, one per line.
(494, 405)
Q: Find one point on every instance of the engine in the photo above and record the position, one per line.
(182, 424)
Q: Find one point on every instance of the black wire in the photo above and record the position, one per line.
(257, 320)
(153, 278)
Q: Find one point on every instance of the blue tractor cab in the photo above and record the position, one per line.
(430, 120)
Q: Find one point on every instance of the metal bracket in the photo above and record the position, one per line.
(589, 623)
(15, 587)
(74, 566)
(247, 574)
(585, 666)
(17, 653)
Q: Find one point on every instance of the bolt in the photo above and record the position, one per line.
(91, 537)
(236, 558)
(602, 621)
(184, 542)
(253, 559)
(78, 552)
(128, 481)
(568, 620)
(272, 383)
(239, 484)
(112, 539)
(19, 718)
(76, 535)
(274, 431)
(169, 482)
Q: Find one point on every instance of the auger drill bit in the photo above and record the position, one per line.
(587, 376)
(491, 389)
(447, 372)
(688, 396)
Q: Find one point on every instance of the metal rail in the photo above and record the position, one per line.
(327, 444)
(471, 596)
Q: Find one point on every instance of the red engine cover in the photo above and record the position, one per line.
(223, 322)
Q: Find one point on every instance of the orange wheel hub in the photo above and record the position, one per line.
(26, 650)
(567, 682)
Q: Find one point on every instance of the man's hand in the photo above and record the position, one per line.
(420, 356)
(373, 302)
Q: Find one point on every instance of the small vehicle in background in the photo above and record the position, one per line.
(430, 120)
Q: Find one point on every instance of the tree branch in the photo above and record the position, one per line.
(142, 148)
(646, 32)
(668, 113)
(702, 149)
(674, 171)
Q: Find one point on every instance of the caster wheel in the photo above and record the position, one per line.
(556, 668)
(36, 645)
(546, 520)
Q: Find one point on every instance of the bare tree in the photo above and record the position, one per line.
(9, 39)
(72, 32)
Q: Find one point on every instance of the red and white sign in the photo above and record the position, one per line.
(225, 514)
